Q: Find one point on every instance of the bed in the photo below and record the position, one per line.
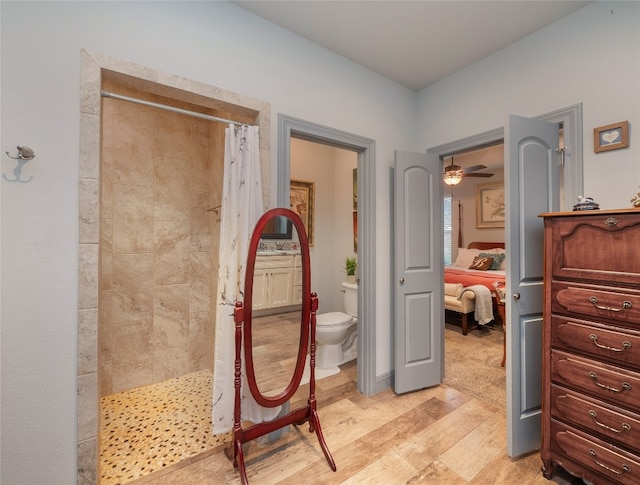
(479, 265)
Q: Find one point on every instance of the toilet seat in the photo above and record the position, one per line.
(333, 319)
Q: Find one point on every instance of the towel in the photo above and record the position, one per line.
(484, 305)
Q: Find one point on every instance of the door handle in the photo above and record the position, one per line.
(401, 281)
(516, 296)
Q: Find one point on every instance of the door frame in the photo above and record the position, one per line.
(571, 120)
(289, 127)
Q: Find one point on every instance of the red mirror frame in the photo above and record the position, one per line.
(242, 314)
(305, 318)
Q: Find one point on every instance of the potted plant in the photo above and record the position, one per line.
(350, 265)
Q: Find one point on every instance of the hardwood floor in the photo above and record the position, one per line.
(436, 436)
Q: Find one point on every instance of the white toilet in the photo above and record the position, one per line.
(336, 332)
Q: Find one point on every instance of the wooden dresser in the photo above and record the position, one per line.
(591, 345)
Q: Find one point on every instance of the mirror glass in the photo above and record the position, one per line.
(276, 308)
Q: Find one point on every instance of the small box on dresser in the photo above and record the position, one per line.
(591, 345)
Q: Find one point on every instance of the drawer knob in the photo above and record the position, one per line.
(594, 416)
(625, 385)
(625, 468)
(611, 221)
(625, 344)
(625, 305)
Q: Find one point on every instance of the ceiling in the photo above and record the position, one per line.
(413, 42)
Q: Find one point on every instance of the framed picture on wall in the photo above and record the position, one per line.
(490, 205)
(611, 137)
(302, 202)
(355, 210)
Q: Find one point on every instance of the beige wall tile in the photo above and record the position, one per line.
(132, 218)
(132, 364)
(87, 341)
(171, 189)
(89, 146)
(171, 317)
(201, 221)
(200, 280)
(87, 465)
(170, 363)
(87, 408)
(200, 348)
(88, 276)
(132, 151)
(132, 287)
(171, 244)
(89, 212)
(106, 255)
(106, 184)
(171, 135)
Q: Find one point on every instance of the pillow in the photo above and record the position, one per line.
(498, 259)
(481, 263)
(492, 252)
(465, 257)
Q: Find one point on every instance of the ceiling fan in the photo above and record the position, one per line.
(453, 174)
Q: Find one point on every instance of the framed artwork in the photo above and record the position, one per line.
(302, 202)
(355, 189)
(355, 210)
(611, 137)
(490, 205)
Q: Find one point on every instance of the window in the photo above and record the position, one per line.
(448, 229)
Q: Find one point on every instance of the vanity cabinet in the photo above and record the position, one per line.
(591, 345)
(297, 280)
(273, 282)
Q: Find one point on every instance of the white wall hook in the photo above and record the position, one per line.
(24, 153)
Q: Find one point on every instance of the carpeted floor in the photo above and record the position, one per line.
(472, 363)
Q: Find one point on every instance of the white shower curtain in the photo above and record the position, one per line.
(242, 206)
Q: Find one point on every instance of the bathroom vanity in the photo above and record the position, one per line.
(277, 280)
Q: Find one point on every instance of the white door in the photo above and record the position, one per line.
(418, 272)
(532, 175)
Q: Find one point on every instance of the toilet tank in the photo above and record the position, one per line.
(350, 298)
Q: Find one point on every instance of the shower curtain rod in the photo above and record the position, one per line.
(108, 94)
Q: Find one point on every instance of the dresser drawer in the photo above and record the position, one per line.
(603, 381)
(601, 247)
(616, 345)
(610, 422)
(617, 464)
(602, 303)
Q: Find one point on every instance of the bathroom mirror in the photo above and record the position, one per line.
(276, 318)
(252, 336)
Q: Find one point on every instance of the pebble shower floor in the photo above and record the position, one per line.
(151, 428)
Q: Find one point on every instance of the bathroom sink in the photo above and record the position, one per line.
(278, 252)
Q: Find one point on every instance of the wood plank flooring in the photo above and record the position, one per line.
(436, 436)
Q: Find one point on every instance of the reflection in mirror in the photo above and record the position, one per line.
(276, 309)
(278, 227)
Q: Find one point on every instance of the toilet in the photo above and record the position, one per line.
(336, 332)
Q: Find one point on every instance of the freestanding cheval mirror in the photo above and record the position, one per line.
(247, 327)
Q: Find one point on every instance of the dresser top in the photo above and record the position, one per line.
(596, 212)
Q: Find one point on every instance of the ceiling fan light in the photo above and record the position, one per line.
(452, 177)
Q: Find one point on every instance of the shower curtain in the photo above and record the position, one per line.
(242, 206)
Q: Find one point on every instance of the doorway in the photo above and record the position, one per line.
(288, 128)
(570, 164)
